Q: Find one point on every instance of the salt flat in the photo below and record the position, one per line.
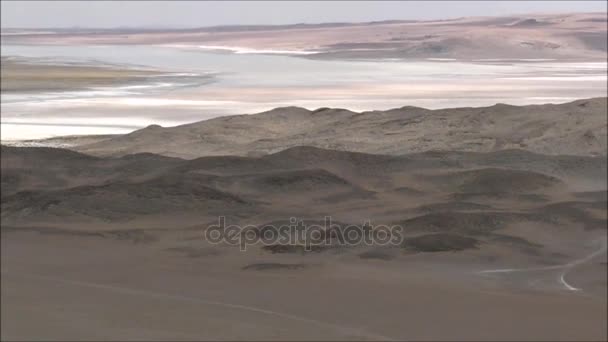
(204, 85)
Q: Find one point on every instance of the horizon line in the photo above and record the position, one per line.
(170, 27)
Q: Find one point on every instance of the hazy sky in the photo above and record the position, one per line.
(209, 13)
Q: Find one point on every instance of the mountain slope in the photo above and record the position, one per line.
(55, 185)
(575, 128)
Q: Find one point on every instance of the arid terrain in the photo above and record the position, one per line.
(136, 205)
(577, 128)
(25, 76)
(578, 36)
(502, 243)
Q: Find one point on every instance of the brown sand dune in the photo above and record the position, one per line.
(120, 242)
(576, 128)
(301, 176)
(495, 180)
(51, 168)
(455, 196)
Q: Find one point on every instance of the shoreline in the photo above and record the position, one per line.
(507, 37)
(26, 75)
(325, 54)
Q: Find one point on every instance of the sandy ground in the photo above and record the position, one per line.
(507, 245)
(22, 75)
(123, 291)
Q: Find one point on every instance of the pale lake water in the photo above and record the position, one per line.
(207, 84)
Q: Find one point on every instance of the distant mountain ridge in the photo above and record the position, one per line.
(569, 36)
(574, 128)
